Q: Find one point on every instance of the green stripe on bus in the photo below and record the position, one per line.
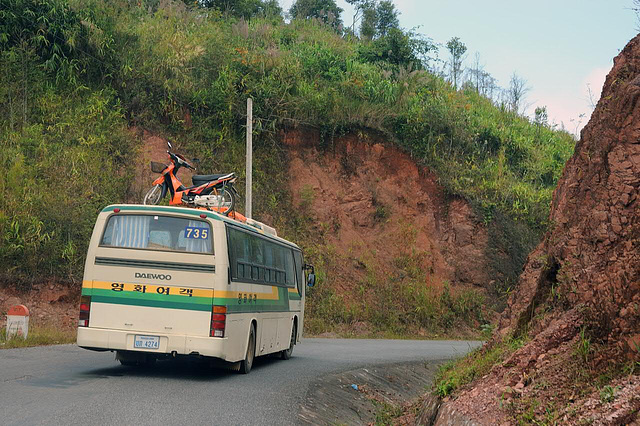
(150, 296)
(134, 298)
(148, 299)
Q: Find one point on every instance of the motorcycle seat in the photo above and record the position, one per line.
(200, 179)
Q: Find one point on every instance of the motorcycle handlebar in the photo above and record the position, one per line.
(180, 160)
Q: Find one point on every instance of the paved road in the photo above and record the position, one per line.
(68, 385)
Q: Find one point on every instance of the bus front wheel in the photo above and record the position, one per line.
(247, 362)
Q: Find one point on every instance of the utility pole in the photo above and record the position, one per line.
(249, 166)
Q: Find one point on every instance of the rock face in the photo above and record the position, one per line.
(591, 258)
(578, 299)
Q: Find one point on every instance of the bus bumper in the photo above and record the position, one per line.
(106, 339)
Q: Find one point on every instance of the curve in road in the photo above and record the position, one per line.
(68, 385)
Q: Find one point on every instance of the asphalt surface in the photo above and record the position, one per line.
(68, 385)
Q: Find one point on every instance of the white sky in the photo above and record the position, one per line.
(559, 47)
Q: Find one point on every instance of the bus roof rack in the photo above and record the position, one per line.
(262, 227)
(266, 229)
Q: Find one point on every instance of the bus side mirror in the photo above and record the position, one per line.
(311, 278)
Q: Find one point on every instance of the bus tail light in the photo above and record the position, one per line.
(218, 321)
(85, 308)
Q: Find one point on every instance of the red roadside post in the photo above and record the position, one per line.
(18, 321)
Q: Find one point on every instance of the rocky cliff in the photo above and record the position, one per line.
(578, 301)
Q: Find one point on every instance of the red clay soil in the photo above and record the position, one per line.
(50, 305)
(581, 285)
(373, 204)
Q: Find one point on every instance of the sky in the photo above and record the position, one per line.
(561, 48)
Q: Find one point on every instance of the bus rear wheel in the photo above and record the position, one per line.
(286, 354)
(135, 359)
(247, 362)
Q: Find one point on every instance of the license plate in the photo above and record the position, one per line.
(146, 342)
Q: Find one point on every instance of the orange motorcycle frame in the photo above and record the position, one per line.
(170, 182)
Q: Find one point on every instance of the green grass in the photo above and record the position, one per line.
(38, 336)
(608, 393)
(394, 307)
(457, 373)
(386, 413)
(583, 347)
(347, 333)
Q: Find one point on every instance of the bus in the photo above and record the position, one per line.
(165, 282)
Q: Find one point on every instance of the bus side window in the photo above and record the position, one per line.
(258, 260)
(289, 268)
(297, 256)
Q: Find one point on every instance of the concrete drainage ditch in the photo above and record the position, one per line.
(368, 394)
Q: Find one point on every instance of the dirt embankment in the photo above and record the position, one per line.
(50, 305)
(579, 296)
(56, 305)
(377, 211)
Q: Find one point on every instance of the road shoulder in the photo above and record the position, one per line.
(364, 395)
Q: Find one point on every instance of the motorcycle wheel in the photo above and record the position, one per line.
(228, 200)
(153, 196)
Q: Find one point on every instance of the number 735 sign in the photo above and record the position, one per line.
(196, 233)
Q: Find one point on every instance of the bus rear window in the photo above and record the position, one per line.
(155, 232)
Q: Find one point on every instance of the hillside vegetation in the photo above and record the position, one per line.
(78, 75)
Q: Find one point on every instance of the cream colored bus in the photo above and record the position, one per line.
(171, 281)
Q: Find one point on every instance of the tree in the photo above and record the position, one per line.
(271, 8)
(424, 49)
(325, 10)
(387, 18)
(517, 92)
(378, 18)
(359, 8)
(541, 117)
(397, 48)
(481, 80)
(245, 8)
(457, 50)
(475, 72)
(488, 85)
(369, 22)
